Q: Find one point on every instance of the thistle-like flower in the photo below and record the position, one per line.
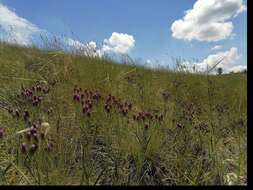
(23, 148)
(1, 133)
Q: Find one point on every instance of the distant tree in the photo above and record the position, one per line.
(245, 71)
(219, 71)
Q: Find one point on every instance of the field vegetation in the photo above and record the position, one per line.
(67, 119)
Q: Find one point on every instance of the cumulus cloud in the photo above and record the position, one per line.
(216, 47)
(119, 43)
(208, 20)
(237, 68)
(229, 61)
(15, 29)
(18, 30)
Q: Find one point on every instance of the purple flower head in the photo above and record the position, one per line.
(146, 127)
(107, 108)
(49, 147)
(10, 111)
(160, 117)
(46, 90)
(1, 133)
(40, 98)
(85, 109)
(142, 116)
(33, 148)
(124, 111)
(35, 102)
(26, 115)
(28, 135)
(35, 137)
(88, 113)
(23, 148)
(38, 88)
(17, 113)
(50, 111)
(33, 130)
(75, 96)
(34, 125)
(75, 89)
(90, 105)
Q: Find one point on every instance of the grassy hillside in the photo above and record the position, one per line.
(127, 125)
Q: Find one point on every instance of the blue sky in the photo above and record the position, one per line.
(148, 22)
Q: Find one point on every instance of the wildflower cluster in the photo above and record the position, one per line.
(87, 98)
(32, 138)
(30, 96)
(19, 113)
(112, 104)
(122, 107)
(34, 93)
(147, 116)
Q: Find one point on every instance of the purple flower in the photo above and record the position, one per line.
(28, 135)
(35, 137)
(33, 130)
(160, 117)
(38, 88)
(88, 113)
(17, 113)
(33, 148)
(1, 133)
(46, 90)
(10, 111)
(24, 148)
(26, 115)
(49, 147)
(107, 108)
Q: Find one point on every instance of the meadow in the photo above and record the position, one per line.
(67, 119)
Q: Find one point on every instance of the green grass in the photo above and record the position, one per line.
(202, 139)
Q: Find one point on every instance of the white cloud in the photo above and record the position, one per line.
(119, 43)
(229, 60)
(216, 47)
(15, 29)
(208, 20)
(237, 68)
(148, 61)
(92, 45)
(18, 30)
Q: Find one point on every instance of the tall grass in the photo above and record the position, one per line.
(181, 129)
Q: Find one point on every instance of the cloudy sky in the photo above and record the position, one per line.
(199, 31)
